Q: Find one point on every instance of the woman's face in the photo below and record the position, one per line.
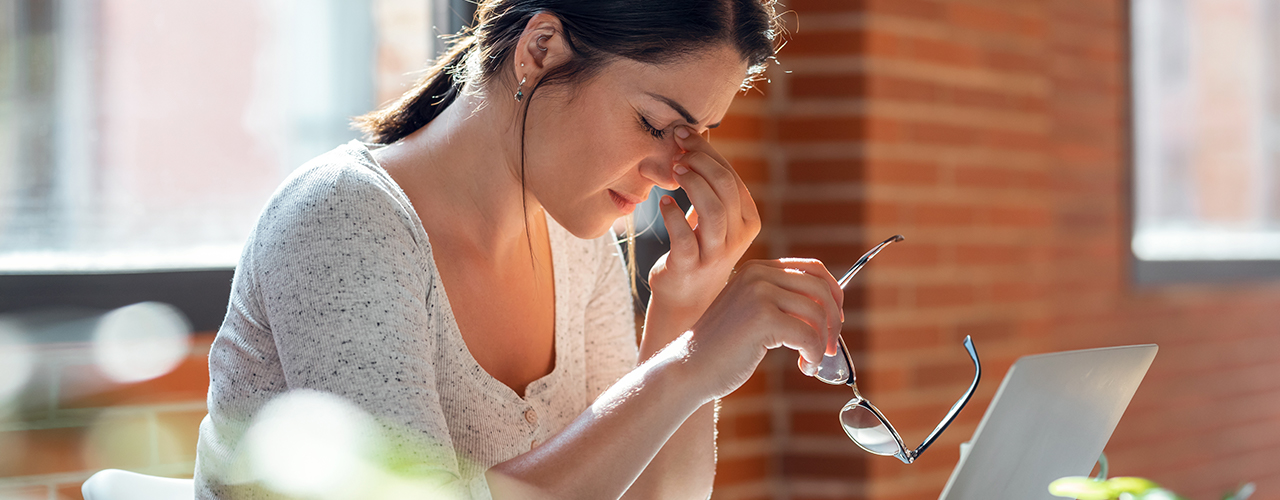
(593, 154)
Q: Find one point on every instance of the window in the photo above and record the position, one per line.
(147, 135)
(1206, 95)
(139, 139)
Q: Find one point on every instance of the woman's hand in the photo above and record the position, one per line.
(794, 303)
(705, 244)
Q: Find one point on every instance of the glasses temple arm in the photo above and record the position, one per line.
(955, 409)
(866, 257)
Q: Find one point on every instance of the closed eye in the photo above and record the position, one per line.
(654, 131)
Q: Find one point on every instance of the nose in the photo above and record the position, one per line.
(657, 168)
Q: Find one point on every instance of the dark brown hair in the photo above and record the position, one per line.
(596, 32)
(648, 31)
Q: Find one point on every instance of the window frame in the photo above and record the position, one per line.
(1157, 273)
(201, 294)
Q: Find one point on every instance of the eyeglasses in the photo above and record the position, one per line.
(861, 420)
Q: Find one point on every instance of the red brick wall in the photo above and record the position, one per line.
(992, 134)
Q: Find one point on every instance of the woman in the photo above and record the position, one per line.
(500, 351)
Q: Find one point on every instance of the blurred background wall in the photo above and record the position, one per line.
(996, 136)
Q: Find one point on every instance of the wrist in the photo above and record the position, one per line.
(673, 371)
(677, 309)
(663, 323)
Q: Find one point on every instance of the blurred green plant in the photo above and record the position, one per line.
(1125, 488)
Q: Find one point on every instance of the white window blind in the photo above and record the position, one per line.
(141, 135)
(1206, 95)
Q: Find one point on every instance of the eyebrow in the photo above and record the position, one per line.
(679, 109)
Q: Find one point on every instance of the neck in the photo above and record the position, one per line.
(464, 166)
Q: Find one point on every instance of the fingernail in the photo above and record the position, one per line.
(680, 169)
(667, 200)
(809, 369)
(682, 132)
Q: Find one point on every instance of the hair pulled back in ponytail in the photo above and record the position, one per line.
(596, 32)
(650, 31)
(437, 87)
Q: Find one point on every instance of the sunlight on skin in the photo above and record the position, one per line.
(17, 361)
(141, 341)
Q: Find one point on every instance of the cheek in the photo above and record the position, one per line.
(578, 153)
(600, 158)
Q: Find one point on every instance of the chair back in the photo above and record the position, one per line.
(115, 484)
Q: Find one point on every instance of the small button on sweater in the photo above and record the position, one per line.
(336, 291)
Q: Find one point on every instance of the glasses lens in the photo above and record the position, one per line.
(867, 431)
(834, 369)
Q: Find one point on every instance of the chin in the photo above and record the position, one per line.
(582, 225)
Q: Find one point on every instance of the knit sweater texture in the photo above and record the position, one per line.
(337, 291)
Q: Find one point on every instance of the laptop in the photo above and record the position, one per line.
(1050, 418)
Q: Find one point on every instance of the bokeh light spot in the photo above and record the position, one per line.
(141, 341)
(311, 444)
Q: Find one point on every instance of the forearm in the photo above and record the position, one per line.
(602, 452)
(686, 465)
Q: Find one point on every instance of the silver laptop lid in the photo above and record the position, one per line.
(1050, 418)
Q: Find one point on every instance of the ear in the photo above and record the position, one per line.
(541, 47)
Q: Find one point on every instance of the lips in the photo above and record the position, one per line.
(626, 203)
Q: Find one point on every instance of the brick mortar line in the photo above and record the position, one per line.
(916, 481)
(828, 22)
(967, 313)
(827, 150)
(974, 117)
(861, 23)
(1040, 47)
(750, 489)
(87, 416)
(745, 447)
(916, 112)
(1156, 439)
(746, 405)
(842, 191)
(809, 487)
(1016, 83)
(862, 232)
(970, 37)
(48, 480)
(924, 153)
(979, 197)
(62, 478)
(731, 148)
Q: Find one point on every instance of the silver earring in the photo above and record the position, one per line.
(520, 90)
